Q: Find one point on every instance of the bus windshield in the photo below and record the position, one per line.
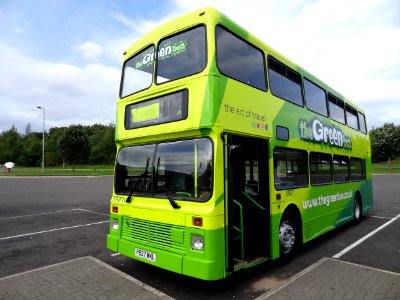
(182, 169)
(178, 56)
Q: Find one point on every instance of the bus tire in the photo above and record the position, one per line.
(357, 209)
(288, 236)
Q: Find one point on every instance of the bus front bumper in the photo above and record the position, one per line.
(183, 264)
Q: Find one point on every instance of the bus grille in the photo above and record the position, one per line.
(159, 235)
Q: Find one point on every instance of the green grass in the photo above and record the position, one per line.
(384, 168)
(92, 170)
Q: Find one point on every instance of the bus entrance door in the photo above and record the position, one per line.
(247, 204)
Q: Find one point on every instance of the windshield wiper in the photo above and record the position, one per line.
(128, 200)
(166, 192)
(171, 200)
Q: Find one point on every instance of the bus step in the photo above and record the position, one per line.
(240, 264)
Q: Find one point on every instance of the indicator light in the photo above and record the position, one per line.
(198, 221)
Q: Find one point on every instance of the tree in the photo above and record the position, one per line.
(31, 150)
(385, 142)
(87, 144)
(28, 129)
(74, 144)
(102, 144)
(10, 145)
(53, 154)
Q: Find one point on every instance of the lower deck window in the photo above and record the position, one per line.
(290, 168)
(356, 169)
(320, 168)
(341, 170)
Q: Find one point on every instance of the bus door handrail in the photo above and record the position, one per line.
(254, 201)
(240, 230)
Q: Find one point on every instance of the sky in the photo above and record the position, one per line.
(66, 55)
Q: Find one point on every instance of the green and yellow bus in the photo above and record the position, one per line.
(229, 154)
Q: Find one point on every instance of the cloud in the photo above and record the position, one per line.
(140, 25)
(70, 94)
(89, 50)
(352, 46)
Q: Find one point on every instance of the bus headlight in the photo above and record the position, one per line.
(114, 224)
(197, 242)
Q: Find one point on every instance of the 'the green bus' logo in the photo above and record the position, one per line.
(166, 51)
(318, 132)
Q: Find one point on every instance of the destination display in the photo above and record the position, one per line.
(165, 109)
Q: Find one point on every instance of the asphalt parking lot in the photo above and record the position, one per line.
(49, 220)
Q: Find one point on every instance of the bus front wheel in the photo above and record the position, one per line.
(288, 236)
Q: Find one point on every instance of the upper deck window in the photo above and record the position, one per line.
(336, 109)
(240, 60)
(363, 126)
(351, 117)
(137, 73)
(315, 98)
(181, 55)
(284, 82)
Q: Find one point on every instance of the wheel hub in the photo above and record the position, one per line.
(286, 236)
(357, 211)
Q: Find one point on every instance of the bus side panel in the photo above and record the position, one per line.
(274, 225)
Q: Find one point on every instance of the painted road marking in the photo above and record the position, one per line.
(53, 212)
(52, 230)
(355, 244)
(91, 211)
(38, 214)
(379, 217)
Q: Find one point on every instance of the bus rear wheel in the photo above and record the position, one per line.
(357, 209)
(288, 236)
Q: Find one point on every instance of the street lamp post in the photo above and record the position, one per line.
(44, 116)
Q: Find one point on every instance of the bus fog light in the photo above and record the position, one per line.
(114, 224)
(197, 242)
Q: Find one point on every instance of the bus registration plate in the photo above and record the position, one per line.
(145, 254)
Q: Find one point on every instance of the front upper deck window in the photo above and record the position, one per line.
(181, 55)
(137, 74)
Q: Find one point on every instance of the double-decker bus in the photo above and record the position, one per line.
(229, 154)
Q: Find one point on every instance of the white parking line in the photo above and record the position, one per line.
(39, 214)
(54, 212)
(379, 217)
(91, 211)
(355, 244)
(51, 230)
(115, 254)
